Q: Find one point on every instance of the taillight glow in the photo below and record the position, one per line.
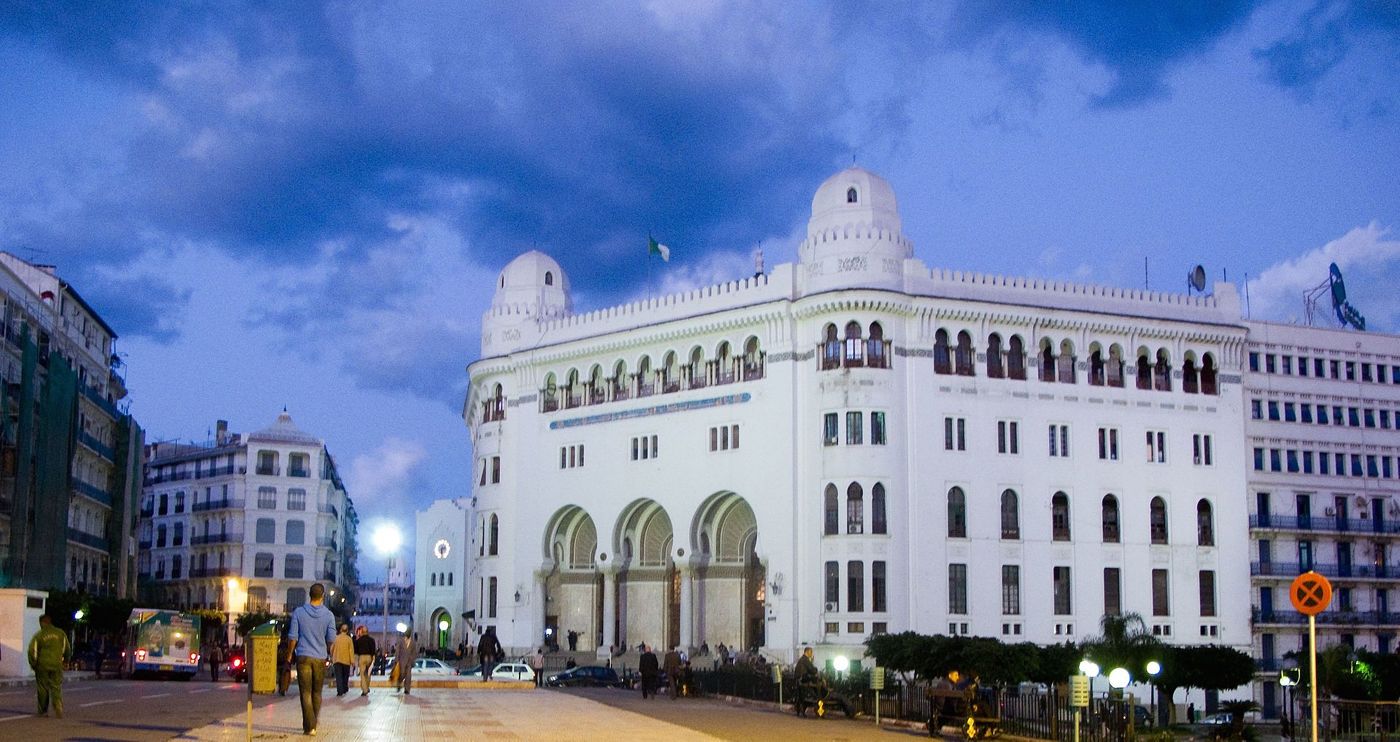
(194, 658)
(237, 662)
(140, 655)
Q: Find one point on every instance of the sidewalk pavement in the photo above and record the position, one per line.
(69, 676)
(456, 714)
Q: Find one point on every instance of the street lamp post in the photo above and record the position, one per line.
(387, 540)
(1118, 679)
(1153, 669)
(1288, 682)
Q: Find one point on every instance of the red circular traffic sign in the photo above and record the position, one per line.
(1310, 593)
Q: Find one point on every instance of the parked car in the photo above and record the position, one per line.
(1142, 718)
(1218, 719)
(591, 676)
(503, 671)
(431, 666)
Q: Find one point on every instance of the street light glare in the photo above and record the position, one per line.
(443, 625)
(387, 539)
(841, 663)
(78, 614)
(1153, 667)
(1090, 668)
(1119, 678)
(402, 627)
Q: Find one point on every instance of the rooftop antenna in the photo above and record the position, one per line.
(1196, 280)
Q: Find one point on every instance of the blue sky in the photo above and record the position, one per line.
(304, 204)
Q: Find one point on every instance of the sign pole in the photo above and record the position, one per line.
(1312, 671)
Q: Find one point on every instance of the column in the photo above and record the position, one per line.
(609, 610)
(541, 608)
(687, 638)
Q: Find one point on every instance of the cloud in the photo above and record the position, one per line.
(387, 474)
(1137, 42)
(1369, 259)
(1325, 35)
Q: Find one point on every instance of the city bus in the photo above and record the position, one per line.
(161, 643)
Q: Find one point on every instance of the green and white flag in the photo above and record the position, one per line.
(656, 248)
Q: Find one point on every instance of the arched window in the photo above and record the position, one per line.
(1208, 385)
(753, 360)
(942, 363)
(495, 534)
(573, 395)
(670, 373)
(618, 385)
(855, 509)
(645, 387)
(723, 364)
(1205, 524)
(957, 513)
(965, 354)
(695, 370)
(1066, 362)
(855, 350)
(833, 511)
(831, 348)
(878, 522)
(876, 357)
(1144, 370)
(851, 196)
(1157, 517)
(1096, 366)
(1110, 519)
(995, 368)
(1115, 366)
(1190, 382)
(549, 396)
(1016, 359)
(1162, 372)
(549, 278)
(1010, 516)
(1047, 360)
(1059, 517)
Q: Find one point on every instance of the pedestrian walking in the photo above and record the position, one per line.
(364, 656)
(649, 668)
(342, 657)
(489, 651)
(407, 654)
(48, 651)
(215, 657)
(310, 634)
(573, 640)
(672, 666)
(537, 664)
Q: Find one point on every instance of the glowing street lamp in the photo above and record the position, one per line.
(1119, 678)
(1154, 668)
(841, 664)
(1089, 667)
(387, 538)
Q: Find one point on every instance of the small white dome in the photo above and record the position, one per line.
(535, 283)
(854, 196)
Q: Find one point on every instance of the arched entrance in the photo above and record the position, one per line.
(442, 629)
(648, 588)
(573, 595)
(729, 587)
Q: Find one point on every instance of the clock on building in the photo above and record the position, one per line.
(441, 549)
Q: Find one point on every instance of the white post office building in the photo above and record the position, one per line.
(856, 443)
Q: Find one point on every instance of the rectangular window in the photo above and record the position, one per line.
(855, 586)
(1332, 365)
(954, 434)
(1324, 463)
(266, 531)
(1207, 592)
(1351, 370)
(734, 436)
(1292, 460)
(1307, 462)
(1365, 372)
(1059, 441)
(1112, 591)
(1288, 365)
(1317, 368)
(1322, 414)
(491, 599)
(1156, 447)
(1337, 417)
(267, 498)
(262, 565)
(877, 587)
(1160, 603)
(495, 470)
(1108, 444)
(1256, 409)
(1275, 459)
(1008, 437)
(957, 589)
(1201, 450)
(831, 433)
(1258, 459)
(1302, 365)
(877, 428)
(1273, 410)
(1063, 604)
(1306, 413)
(854, 436)
(1010, 590)
(1254, 361)
(1269, 366)
(1290, 412)
(833, 584)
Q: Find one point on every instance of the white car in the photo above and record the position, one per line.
(504, 671)
(424, 666)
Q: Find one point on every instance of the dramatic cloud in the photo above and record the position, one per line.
(386, 474)
(1327, 32)
(1370, 263)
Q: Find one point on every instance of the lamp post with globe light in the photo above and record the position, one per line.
(1090, 669)
(387, 538)
(1118, 679)
(1154, 668)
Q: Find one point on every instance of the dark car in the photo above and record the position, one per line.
(237, 664)
(590, 676)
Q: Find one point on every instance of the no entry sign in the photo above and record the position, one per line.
(1310, 593)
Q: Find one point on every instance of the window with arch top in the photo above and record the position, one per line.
(1157, 516)
(833, 511)
(852, 196)
(1059, 517)
(1205, 524)
(1110, 519)
(1010, 516)
(957, 513)
(855, 509)
(878, 522)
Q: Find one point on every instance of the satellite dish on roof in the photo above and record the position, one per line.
(1196, 279)
(1339, 289)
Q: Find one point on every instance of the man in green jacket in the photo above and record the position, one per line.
(48, 651)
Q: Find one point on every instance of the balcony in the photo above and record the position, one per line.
(1329, 617)
(299, 472)
(328, 509)
(220, 504)
(268, 470)
(217, 471)
(96, 493)
(204, 572)
(216, 538)
(97, 447)
(87, 539)
(1289, 570)
(1329, 524)
(96, 398)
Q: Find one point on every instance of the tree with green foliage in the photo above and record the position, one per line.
(253, 619)
(1056, 662)
(1124, 641)
(1208, 667)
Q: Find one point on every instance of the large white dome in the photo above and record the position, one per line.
(533, 284)
(854, 196)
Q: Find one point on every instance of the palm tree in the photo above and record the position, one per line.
(1123, 641)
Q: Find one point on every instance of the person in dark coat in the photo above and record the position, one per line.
(649, 668)
(806, 676)
(672, 666)
(489, 651)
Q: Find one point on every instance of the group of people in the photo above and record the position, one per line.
(676, 665)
